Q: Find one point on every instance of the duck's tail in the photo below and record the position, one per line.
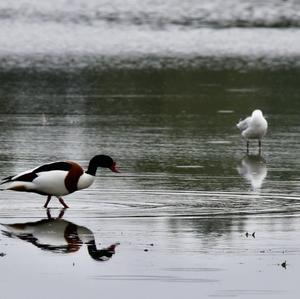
(6, 180)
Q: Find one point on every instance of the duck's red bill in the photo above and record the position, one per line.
(113, 168)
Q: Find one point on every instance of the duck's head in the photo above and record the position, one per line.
(101, 161)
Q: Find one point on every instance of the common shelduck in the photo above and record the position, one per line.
(58, 178)
(253, 127)
(58, 236)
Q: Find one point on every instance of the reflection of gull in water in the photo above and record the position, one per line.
(253, 127)
(58, 235)
(44, 119)
(254, 169)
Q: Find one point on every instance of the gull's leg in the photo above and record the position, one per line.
(62, 202)
(47, 201)
(247, 147)
(259, 146)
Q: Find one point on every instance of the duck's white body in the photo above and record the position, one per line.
(58, 178)
(253, 127)
(51, 183)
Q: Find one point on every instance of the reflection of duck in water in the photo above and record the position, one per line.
(254, 169)
(58, 235)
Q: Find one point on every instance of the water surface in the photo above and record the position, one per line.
(131, 34)
(160, 89)
(187, 193)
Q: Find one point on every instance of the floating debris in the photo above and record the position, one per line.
(146, 249)
(2, 254)
(247, 234)
(283, 265)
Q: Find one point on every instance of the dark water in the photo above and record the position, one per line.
(159, 87)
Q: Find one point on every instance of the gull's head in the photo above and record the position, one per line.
(257, 113)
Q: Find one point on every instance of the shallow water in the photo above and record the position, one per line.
(162, 96)
(186, 195)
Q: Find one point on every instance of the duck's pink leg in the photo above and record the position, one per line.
(47, 201)
(62, 202)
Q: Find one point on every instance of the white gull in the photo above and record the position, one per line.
(253, 127)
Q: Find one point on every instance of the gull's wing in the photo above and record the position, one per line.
(244, 124)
